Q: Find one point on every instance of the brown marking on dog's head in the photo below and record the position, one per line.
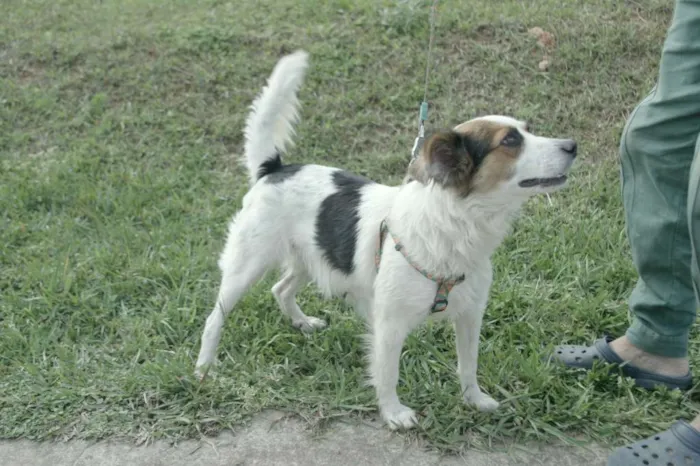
(474, 157)
(444, 159)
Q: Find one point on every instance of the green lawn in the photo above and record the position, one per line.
(119, 126)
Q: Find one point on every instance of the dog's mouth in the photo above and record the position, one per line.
(543, 182)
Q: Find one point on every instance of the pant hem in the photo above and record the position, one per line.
(646, 339)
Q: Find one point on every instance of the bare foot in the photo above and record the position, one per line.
(673, 367)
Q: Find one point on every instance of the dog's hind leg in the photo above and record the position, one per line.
(233, 284)
(240, 270)
(285, 292)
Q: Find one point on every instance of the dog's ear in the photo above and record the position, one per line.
(446, 160)
(444, 152)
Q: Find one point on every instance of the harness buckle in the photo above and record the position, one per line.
(439, 305)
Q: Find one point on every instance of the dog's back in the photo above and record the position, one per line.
(312, 214)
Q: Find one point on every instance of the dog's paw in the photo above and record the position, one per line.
(200, 372)
(481, 400)
(309, 324)
(486, 404)
(402, 417)
(205, 368)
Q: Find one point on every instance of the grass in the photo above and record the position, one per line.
(119, 126)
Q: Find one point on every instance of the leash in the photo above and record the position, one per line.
(423, 112)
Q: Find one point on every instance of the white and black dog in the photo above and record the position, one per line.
(327, 226)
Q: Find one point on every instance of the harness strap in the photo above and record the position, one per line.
(445, 285)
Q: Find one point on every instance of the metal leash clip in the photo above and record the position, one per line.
(418, 143)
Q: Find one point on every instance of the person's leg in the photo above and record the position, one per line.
(657, 150)
(681, 443)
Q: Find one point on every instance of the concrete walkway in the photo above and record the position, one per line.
(273, 439)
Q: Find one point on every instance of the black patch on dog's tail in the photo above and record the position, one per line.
(270, 166)
(274, 171)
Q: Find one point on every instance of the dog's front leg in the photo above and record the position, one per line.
(467, 330)
(389, 330)
(363, 308)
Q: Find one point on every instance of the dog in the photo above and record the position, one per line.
(400, 254)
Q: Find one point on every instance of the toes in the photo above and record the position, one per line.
(487, 404)
(310, 324)
(404, 418)
(482, 401)
(316, 324)
(200, 372)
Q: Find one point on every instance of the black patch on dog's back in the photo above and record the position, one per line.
(275, 172)
(336, 224)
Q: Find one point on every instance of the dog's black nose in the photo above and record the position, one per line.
(569, 146)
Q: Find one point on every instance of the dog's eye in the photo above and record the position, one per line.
(512, 139)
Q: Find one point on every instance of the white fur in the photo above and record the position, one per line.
(270, 124)
(447, 234)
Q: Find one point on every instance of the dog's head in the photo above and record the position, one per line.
(493, 154)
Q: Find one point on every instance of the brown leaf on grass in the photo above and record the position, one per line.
(544, 38)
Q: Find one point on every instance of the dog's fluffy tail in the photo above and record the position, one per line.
(270, 124)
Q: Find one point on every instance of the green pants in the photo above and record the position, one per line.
(660, 155)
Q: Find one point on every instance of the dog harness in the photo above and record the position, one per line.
(445, 285)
